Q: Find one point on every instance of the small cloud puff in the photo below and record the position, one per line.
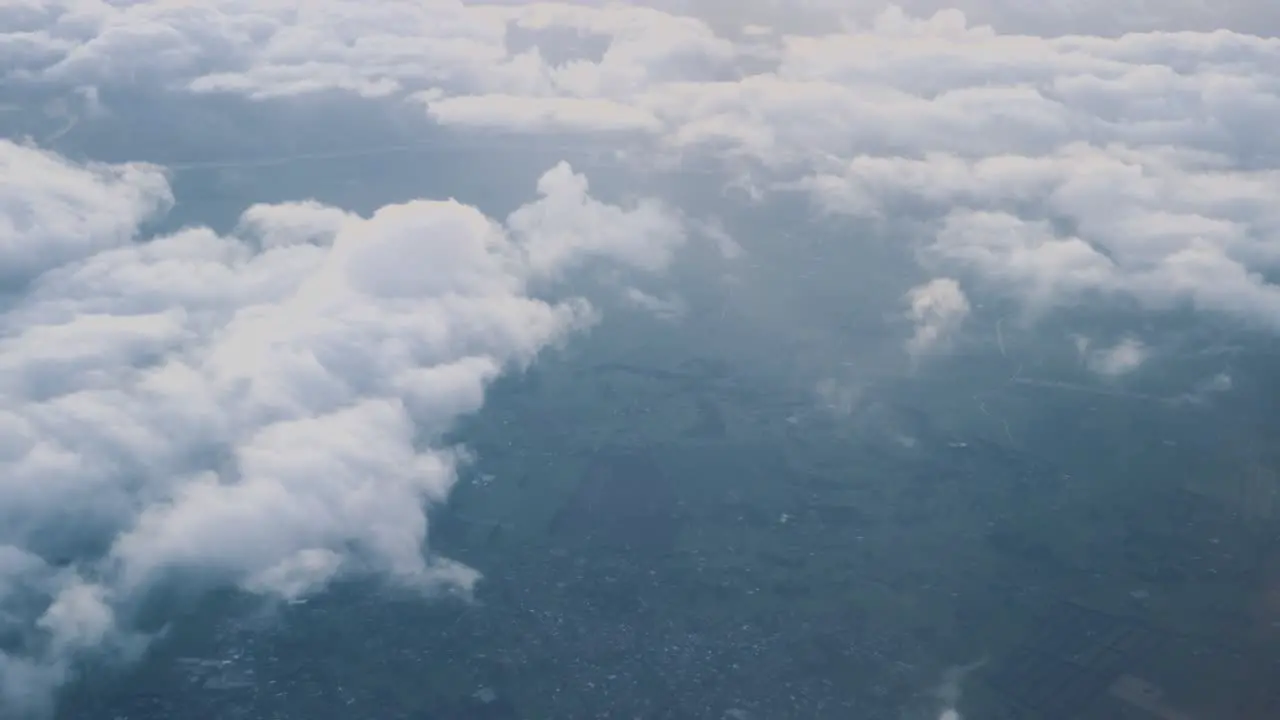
(938, 308)
(1124, 357)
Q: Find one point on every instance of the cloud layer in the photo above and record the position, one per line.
(1052, 169)
(263, 408)
(248, 404)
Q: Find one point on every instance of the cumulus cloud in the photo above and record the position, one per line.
(263, 408)
(1095, 17)
(267, 49)
(566, 225)
(1122, 358)
(1055, 168)
(938, 309)
(515, 112)
(107, 203)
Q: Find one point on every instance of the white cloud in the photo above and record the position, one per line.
(267, 49)
(540, 114)
(254, 407)
(1122, 358)
(1056, 168)
(106, 205)
(1027, 258)
(938, 309)
(668, 308)
(157, 391)
(566, 225)
(1099, 17)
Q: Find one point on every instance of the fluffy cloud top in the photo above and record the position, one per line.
(1122, 358)
(263, 408)
(106, 205)
(1055, 169)
(937, 308)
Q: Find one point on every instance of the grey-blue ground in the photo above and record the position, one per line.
(699, 546)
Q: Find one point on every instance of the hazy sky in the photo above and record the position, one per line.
(252, 405)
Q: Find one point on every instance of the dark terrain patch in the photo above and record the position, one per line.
(710, 424)
(1067, 666)
(625, 501)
